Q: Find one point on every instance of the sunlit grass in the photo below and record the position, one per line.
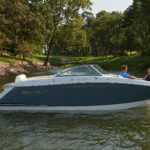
(135, 62)
(8, 59)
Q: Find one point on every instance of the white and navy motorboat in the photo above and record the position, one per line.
(80, 88)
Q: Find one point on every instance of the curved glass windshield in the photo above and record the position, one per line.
(99, 69)
(80, 71)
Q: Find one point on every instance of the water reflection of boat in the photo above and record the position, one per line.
(81, 88)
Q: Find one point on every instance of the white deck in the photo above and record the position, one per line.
(39, 78)
(76, 109)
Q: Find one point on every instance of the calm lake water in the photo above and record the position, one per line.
(116, 130)
(124, 130)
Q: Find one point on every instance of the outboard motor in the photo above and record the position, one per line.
(20, 78)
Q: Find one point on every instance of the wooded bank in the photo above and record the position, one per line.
(56, 27)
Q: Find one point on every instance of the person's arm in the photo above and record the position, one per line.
(125, 75)
(146, 76)
(134, 78)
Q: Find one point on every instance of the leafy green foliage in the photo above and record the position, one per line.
(63, 12)
(19, 23)
(24, 49)
(28, 27)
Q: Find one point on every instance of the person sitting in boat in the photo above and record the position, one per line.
(147, 77)
(124, 70)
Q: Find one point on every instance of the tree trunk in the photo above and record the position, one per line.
(50, 47)
(24, 58)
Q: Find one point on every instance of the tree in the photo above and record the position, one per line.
(63, 11)
(20, 23)
(72, 40)
(24, 49)
(107, 33)
(136, 26)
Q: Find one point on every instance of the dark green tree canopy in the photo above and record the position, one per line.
(67, 27)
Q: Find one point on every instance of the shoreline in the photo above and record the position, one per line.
(11, 65)
(22, 67)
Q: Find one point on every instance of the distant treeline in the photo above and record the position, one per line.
(28, 27)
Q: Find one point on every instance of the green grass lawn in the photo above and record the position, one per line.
(135, 62)
(38, 58)
(8, 59)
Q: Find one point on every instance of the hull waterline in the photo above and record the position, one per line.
(75, 109)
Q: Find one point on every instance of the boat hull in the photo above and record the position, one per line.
(74, 109)
(89, 96)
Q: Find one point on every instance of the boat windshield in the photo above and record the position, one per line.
(80, 71)
(99, 69)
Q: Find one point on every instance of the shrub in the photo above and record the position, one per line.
(122, 53)
(145, 52)
(24, 49)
